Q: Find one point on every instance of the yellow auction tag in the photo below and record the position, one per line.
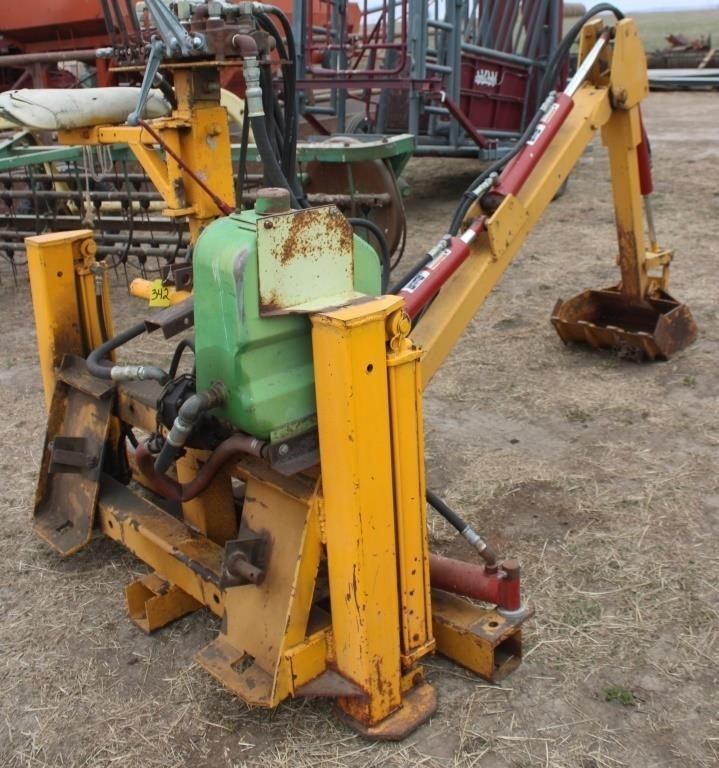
(159, 294)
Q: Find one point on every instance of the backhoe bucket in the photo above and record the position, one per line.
(649, 328)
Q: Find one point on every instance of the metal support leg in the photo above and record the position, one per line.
(350, 361)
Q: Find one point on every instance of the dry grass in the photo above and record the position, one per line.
(600, 475)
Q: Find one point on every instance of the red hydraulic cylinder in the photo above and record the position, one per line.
(517, 171)
(425, 285)
(498, 586)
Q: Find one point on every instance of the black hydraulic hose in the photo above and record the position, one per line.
(550, 76)
(187, 417)
(273, 173)
(96, 361)
(242, 162)
(269, 110)
(186, 343)
(167, 91)
(292, 67)
(462, 527)
(446, 511)
(288, 159)
(288, 78)
(101, 315)
(417, 268)
(384, 255)
(562, 50)
(101, 368)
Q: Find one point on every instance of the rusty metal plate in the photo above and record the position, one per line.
(305, 261)
(68, 483)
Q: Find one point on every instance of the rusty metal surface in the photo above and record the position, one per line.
(169, 546)
(68, 481)
(418, 705)
(654, 328)
(357, 182)
(305, 261)
(172, 320)
(237, 671)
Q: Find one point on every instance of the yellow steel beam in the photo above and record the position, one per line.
(353, 416)
(621, 135)
(407, 428)
(166, 544)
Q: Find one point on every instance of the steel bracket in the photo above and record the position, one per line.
(480, 639)
(245, 559)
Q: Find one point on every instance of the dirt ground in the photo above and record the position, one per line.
(599, 474)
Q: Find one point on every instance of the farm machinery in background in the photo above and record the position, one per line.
(375, 82)
(278, 477)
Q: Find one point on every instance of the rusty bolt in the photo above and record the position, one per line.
(268, 225)
(622, 96)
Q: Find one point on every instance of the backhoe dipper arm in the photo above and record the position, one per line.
(605, 94)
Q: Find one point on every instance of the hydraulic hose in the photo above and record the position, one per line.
(255, 111)
(229, 449)
(273, 173)
(463, 527)
(186, 343)
(384, 254)
(101, 368)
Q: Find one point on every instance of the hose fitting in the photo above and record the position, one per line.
(188, 416)
(253, 91)
(138, 373)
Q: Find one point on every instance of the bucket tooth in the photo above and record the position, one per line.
(655, 327)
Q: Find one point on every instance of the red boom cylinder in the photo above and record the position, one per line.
(517, 171)
(499, 587)
(425, 285)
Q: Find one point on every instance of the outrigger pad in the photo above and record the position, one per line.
(652, 328)
(69, 480)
